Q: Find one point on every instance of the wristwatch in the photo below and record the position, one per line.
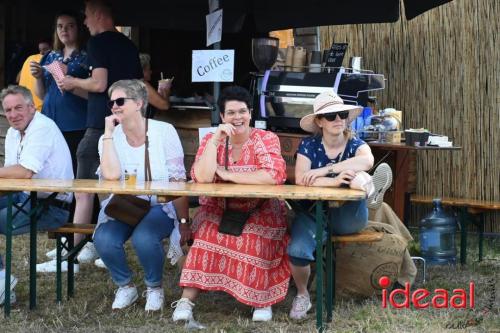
(183, 220)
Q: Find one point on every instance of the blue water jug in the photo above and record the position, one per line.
(437, 236)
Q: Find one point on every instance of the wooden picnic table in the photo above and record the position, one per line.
(164, 188)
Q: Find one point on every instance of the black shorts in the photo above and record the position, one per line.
(88, 155)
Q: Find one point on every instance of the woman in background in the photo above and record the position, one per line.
(69, 109)
(157, 99)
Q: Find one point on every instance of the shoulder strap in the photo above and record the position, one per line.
(147, 166)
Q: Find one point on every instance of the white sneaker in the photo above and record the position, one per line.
(51, 267)
(382, 180)
(154, 298)
(262, 314)
(53, 253)
(87, 254)
(183, 309)
(301, 304)
(13, 283)
(99, 263)
(125, 296)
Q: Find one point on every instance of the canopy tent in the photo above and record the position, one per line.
(265, 15)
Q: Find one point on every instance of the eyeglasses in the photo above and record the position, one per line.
(241, 112)
(119, 101)
(331, 116)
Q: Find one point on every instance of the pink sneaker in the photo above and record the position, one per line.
(363, 181)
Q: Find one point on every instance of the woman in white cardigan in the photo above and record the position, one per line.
(123, 143)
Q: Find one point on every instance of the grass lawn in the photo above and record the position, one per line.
(90, 310)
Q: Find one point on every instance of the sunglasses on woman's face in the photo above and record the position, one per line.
(119, 101)
(331, 116)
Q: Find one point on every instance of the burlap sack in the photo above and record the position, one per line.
(360, 265)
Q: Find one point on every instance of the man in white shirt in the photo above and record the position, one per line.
(34, 148)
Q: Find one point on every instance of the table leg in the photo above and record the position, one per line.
(407, 209)
(481, 235)
(71, 270)
(329, 275)
(463, 235)
(334, 270)
(33, 233)
(8, 255)
(400, 182)
(319, 266)
(58, 271)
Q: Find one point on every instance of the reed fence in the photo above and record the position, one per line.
(443, 72)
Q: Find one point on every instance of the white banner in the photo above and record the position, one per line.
(214, 27)
(212, 66)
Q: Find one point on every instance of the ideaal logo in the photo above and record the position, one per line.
(422, 298)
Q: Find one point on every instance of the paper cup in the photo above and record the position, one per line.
(164, 84)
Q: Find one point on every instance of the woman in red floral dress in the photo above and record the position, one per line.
(252, 267)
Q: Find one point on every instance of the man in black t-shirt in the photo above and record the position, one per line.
(112, 57)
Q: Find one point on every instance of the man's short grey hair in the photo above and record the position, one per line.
(135, 89)
(145, 60)
(16, 90)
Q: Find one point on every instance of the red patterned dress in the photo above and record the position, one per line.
(253, 267)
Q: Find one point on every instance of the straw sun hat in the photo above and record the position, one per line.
(328, 102)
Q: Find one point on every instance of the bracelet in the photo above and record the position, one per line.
(107, 138)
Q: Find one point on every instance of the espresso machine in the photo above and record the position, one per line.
(285, 97)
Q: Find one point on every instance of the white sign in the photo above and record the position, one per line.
(214, 27)
(202, 131)
(213, 5)
(212, 66)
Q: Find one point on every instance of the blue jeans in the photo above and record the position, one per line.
(51, 217)
(349, 218)
(147, 239)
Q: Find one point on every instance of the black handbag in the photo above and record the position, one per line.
(128, 208)
(233, 221)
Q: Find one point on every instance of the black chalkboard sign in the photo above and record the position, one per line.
(336, 55)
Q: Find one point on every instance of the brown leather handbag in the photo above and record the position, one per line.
(128, 208)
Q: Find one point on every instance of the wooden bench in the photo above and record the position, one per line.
(68, 230)
(469, 210)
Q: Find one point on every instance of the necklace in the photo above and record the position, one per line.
(334, 153)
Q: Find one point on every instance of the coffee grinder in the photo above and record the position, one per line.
(264, 55)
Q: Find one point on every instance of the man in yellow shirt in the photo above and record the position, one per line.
(26, 79)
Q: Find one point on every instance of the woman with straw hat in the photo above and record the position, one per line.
(331, 157)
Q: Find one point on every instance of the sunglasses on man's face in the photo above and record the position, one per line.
(331, 116)
(119, 101)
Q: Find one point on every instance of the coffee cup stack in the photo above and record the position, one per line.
(315, 65)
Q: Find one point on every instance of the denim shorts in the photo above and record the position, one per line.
(349, 218)
(87, 154)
